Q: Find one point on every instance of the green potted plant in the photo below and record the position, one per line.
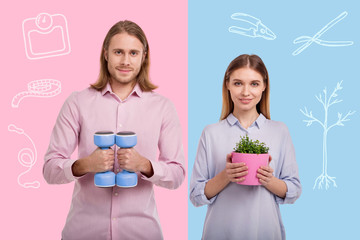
(254, 154)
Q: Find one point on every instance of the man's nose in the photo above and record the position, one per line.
(125, 59)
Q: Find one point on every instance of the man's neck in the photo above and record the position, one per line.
(122, 90)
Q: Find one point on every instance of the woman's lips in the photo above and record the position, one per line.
(245, 100)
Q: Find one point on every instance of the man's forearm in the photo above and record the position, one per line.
(79, 168)
(147, 168)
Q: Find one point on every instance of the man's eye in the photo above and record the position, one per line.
(118, 52)
(133, 53)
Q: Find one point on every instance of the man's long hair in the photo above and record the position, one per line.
(142, 78)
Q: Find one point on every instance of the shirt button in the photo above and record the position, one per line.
(114, 219)
(118, 170)
(120, 125)
(116, 194)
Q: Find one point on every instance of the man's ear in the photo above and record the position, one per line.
(144, 56)
(105, 54)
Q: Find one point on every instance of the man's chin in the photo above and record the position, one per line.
(122, 81)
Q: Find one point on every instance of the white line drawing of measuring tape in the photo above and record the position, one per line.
(25, 152)
(38, 88)
(309, 40)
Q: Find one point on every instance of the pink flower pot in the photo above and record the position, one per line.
(253, 162)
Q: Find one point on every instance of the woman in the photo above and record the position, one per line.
(238, 211)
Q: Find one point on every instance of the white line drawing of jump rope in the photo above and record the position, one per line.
(38, 88)
(25, 152)
(309, 40)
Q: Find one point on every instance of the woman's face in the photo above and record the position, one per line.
(246, 87)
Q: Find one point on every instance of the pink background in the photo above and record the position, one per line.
(41, 213)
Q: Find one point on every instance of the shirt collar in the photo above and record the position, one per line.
(137, 90)
(259, 122)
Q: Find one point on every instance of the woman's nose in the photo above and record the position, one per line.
(245, 90)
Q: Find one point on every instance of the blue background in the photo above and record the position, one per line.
(294, 82)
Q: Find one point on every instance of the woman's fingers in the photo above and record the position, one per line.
(265, 174)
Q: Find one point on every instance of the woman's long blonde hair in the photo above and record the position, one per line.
(255, 63)
(132, 29)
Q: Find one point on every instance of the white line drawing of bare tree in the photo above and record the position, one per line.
(326, 101)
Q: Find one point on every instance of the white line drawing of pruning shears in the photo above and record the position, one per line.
(257, 28)
(309, 40)
(38, 88)
(28, 153)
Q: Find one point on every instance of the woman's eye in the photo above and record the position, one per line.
(237, 83)
(255, 84)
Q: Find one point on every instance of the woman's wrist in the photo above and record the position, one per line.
(277, 187)
(215, 185)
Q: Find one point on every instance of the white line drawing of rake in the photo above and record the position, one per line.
(315, 39)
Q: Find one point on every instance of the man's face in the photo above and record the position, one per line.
(124, 56)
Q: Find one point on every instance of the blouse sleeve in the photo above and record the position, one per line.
(289, 171)
(200, 175)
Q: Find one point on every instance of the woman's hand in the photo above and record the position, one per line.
(235, 172)
(265, 175)
(270, 182)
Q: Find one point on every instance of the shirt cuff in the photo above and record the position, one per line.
(68, 170)
(159, 172)
(291, 194)
(198, 195)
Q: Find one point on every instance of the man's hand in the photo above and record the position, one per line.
(130, 160)
(98, 161)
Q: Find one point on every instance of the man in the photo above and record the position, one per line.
(121, 100)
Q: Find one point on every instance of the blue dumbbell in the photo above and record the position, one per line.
(125, 178)
(104, 140)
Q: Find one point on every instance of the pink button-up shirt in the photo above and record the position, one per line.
(115, 213)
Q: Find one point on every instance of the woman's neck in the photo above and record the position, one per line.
(246, 118)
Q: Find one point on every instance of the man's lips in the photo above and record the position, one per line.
(124, 70)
